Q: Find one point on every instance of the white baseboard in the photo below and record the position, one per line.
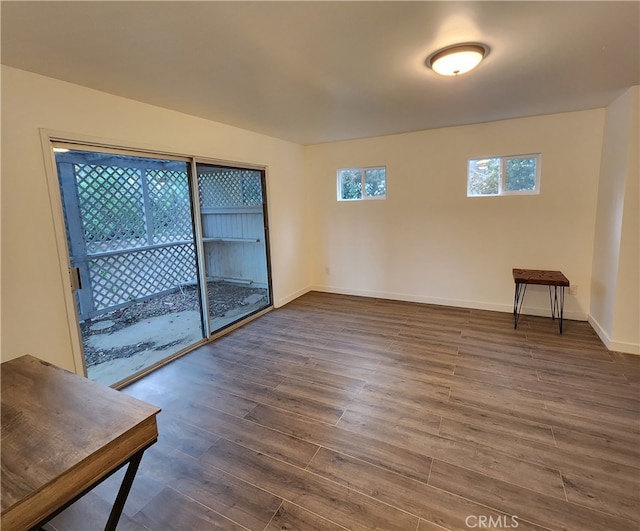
(600, 331)
(476, 305)
(285, 300)
(627, 348)
(617, 346)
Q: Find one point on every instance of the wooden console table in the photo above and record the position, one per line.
(62, 435)
(553, 279)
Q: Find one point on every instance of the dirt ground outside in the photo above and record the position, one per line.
(226, 300)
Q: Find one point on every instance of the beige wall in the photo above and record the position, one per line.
(426, 242)
(34, 317)
(429, 242)
(615, 312)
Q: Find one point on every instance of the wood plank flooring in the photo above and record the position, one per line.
(339, 412)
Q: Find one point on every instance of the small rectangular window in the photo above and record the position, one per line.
(518, 174)
(362, 183)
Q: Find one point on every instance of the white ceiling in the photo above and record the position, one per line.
(314, 72)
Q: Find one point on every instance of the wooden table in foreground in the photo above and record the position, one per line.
(62, 435)
(553, 279)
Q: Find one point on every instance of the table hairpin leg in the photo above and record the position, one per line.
(132, 465)
(123, 493)
(518, 299)
(557, 304)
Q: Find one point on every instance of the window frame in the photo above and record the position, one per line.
(502, 191)
(362, 170)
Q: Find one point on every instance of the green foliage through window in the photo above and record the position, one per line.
(521, 174)
(504, 175)
(351, 184)
(362, 183)
(483, 177)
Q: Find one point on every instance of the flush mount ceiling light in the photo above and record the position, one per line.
(456, 60)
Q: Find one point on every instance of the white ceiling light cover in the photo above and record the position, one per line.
(457, 60)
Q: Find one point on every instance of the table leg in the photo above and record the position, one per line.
(557, 304)
(561, 306)
(518, 299)
(132, 467)
(125, 487)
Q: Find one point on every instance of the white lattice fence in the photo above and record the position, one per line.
(133, 237)
(130, 228)
(122, 278)
(230, 188)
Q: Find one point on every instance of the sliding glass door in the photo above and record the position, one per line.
(234, 234)
(146, 288)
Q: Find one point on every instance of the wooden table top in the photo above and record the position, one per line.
(540, 276)
(61, 433)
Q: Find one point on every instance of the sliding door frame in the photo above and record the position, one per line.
(87, 143)
(199, 244)
(265, 225)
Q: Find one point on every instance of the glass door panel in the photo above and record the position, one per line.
(233, 214)
(131, 242)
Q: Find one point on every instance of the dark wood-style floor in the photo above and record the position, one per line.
(341, 412)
